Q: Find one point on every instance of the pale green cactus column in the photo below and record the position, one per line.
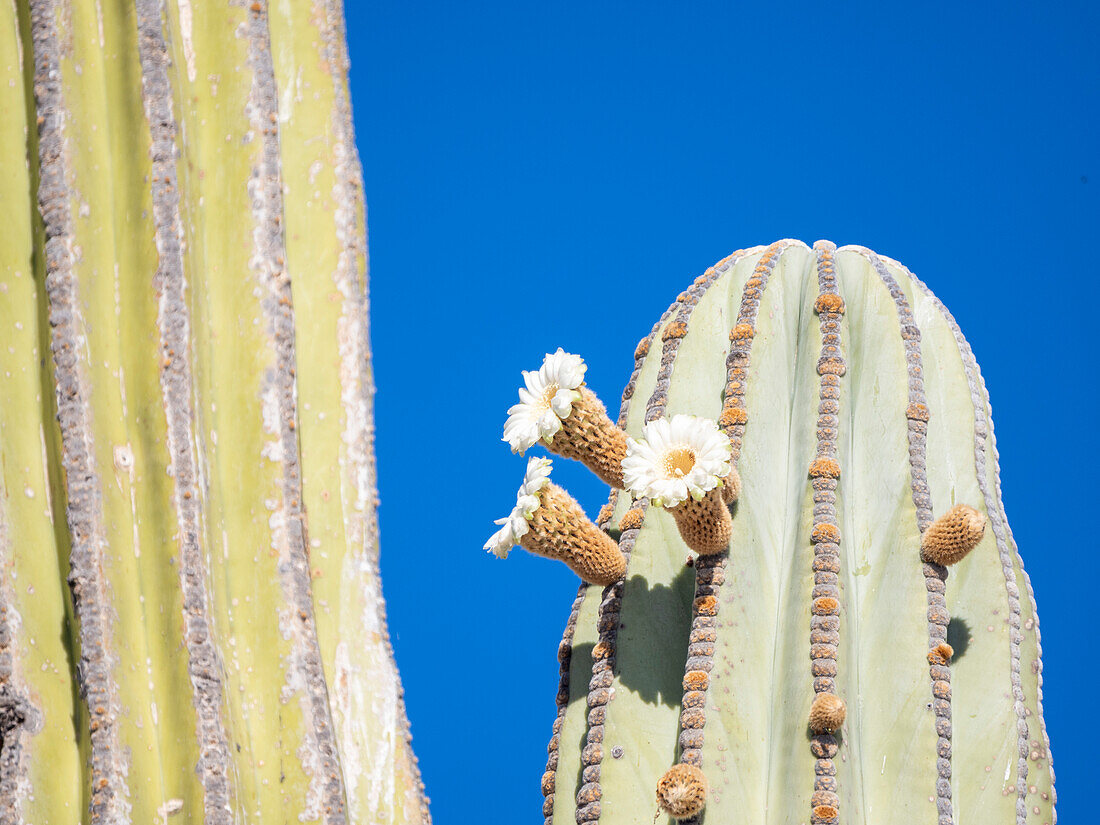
(823, 667)
(191, 620)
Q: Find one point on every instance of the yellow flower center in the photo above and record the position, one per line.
(679, 461)
(548, 396)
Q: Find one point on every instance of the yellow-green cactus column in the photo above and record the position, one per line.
(187, 231)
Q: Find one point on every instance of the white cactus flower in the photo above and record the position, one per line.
(547, 399)
(514, 524)
(687, 456)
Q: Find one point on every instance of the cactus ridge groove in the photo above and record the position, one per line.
(83, 503)
(983, 432)
(269, 260)
(588, 805)
(205, 664)
(565, 649)
(826, 583)
(935, 575)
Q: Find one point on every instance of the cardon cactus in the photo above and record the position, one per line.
(823, 665)
(186, 430)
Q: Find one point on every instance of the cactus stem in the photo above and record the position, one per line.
(999, 525)
(323, 761)
(84, 506)
(935, 575)
(173, 321)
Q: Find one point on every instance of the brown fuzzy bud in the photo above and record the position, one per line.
(641, 350)
(831, 366)
(682, 791)
(828, 302)
(826, 813)
(827, 713)
(733, 415)
(825, 533)
(941, 654)
(632, 518)
(677, 329)
(742, 332)
(954, 534)
(604, 516)
(825, 606)
(824, 468)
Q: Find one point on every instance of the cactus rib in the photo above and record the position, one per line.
(825, 629)
(280, 393)
(935, 575)
(83, 509)
(205, 666)
(991, 496)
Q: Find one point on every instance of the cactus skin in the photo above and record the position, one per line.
(845, 455)
(191, 621)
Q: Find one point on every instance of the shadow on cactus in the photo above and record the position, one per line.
(809, 634)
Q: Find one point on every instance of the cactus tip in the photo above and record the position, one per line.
(682, 791)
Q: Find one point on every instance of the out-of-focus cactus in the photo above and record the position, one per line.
(186, 426)
(824, 668)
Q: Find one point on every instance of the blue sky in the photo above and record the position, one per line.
(543, 175)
